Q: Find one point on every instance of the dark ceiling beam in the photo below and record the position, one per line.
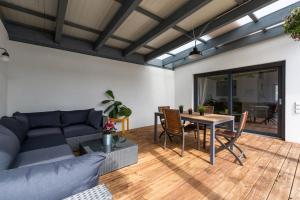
(60, 18)
(253, 17)
(238, 33)
(251, 39)
(180, 14)
(128, 6)
(228, 17)
(31, 35)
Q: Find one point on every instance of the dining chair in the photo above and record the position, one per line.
(174, 126)
(232, 137)
(208, 110)
(162, 121)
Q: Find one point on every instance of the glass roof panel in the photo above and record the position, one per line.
(184, 47)
(273, 7)
(163, 56)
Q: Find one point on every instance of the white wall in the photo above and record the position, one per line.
(42, 79)
(3, 72)
(277, 49)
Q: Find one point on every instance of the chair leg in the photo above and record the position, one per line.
(195, 134)
(204, 138)
(165, 142)
(242, 152)
(228, 148)
(182, 148)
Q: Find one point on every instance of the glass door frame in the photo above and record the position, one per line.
(281, 89)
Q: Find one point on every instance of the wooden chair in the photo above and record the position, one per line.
(232, 137)
(174, 126)
(162, 121)
(208, 110)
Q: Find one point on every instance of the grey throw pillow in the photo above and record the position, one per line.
(51, 181)
(95, 119)
(9, 147)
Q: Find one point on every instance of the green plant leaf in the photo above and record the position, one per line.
(106, 101)
(109, 108)
(110, 94)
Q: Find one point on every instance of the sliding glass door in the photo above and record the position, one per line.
(256, 89)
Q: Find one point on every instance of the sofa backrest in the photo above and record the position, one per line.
(43, 119)
(9, 147)
(74, 117)
(16, 126)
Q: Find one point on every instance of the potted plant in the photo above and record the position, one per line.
(181, 108)
(201, 110)
(108, 130)
(190, 111)
(115, 109)
(292, 24)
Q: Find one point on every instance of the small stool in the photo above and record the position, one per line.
(123, 121)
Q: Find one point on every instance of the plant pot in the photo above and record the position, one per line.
(190, 111)
(181, 109)
(107, 139)
(202, 113)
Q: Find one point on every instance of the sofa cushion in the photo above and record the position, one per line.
(74, 117)
(15, 126)
(23, 119)
(78, 130)
(9, 147)
(95, 118)
(51, 181)
(41, 156)
(44, 131)
(44, 119)
(40, 142)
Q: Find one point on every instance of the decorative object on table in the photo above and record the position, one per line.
(181, 108)
(190, 111)
(201, 110)
(108, 130)
(4, 55)
(115, 109)
(292, 24)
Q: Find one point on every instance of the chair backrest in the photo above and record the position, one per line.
(173, 121)
(162, 108)
(243, 121)
(209, 109)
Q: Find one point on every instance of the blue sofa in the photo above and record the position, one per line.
(36, 157)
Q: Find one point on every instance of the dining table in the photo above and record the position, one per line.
(210, 120)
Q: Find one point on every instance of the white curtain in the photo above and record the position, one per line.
(202, 86)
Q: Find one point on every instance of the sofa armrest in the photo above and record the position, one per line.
(55, 180)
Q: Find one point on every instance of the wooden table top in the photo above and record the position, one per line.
(210, 118)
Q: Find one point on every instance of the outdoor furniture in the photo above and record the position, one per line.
(210, 120)
(231, 137)
(173, 126)
(208, 110)
(162, 121)
(98, 192)
(124, 120)
(123, 153)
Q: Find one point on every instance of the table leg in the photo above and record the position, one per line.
(198, 137)
(212, 144)
(123, 126)
(155, 129)
(128, 124)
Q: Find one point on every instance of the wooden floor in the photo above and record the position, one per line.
(271, 171)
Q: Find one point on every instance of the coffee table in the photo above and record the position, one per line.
(122, 154)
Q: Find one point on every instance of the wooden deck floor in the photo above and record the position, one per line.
(272, 171)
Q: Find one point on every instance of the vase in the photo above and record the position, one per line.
(202, 113)
(181, 109)
(107, 139)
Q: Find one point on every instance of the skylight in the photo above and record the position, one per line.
(184, 47)
(163, 56)
(243, 20)
(273, 7)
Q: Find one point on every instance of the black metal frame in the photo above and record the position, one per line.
(281, 66)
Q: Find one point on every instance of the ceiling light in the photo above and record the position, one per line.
(195, 53)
